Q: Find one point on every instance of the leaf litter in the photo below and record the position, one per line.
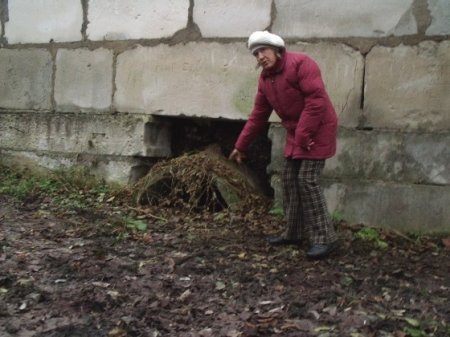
(114, 269)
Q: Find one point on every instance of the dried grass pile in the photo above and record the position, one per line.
(197, 182)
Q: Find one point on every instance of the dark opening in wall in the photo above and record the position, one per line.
(196, 134)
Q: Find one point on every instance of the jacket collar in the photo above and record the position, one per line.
(278, 67)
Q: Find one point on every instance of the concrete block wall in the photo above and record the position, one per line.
(83, 80)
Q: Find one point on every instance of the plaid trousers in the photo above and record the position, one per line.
(304, 204)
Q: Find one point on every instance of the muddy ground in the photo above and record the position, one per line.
(80, 273)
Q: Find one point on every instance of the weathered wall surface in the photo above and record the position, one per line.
(83, 80)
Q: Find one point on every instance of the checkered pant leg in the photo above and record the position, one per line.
(305, 205)
(291, 200)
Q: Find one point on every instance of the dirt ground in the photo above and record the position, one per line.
(76, 274)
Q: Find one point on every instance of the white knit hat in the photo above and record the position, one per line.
(264, 38)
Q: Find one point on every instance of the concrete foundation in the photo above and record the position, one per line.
(114, 169)
(111, 135)
(403, 207)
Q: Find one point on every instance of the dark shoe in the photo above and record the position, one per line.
(318, 251)
(279, 241)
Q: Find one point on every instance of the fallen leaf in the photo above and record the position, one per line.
(315, 314)
(220, 285)
(332, 309)
(277, 309)
(356, 334)
(323, 328)
(398, 312)
(100, 284)
(185, 295)
(171, 263)
(207, 332)
(117, 332)
(233, 333)
(25, 281)
(299, 324)
(412, 321)
(446, 243)
(265, 302)
(114, 294)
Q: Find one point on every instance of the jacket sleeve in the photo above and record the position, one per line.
(313, 89)
(257, 121)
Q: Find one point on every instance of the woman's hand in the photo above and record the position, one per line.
(237, 156)
(310, 145)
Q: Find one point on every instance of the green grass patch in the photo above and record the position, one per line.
(20, 185)
(72, 188)
(371, 235)
(277, 211)
(336, 217)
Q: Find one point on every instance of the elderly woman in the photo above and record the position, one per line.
(291, 85)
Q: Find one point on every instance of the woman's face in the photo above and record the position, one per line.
(266, 57)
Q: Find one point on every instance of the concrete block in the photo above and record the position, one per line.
(231, 18)
(427, 156)
(117, 135)
(335, 195)
(40, 21)
(222, 81)
(138, 19)
(407, 208)
(26, 79)
(277, 136)
(351, 18)
(348, 161)
(440, 17)
(3, 16)
(112, 169)
(396, 206)
(157, 138)
(342, 70)
(83, 80)
(407, 87)
(35, 161)
(196, 79)
(275, 183)
(414, 158)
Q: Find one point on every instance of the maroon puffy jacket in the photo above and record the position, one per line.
(294, 89)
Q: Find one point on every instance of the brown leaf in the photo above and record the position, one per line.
(446, 243)
(117, 332)
(233, 333)
(298, 324)
(207, 332)
(170, 263)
